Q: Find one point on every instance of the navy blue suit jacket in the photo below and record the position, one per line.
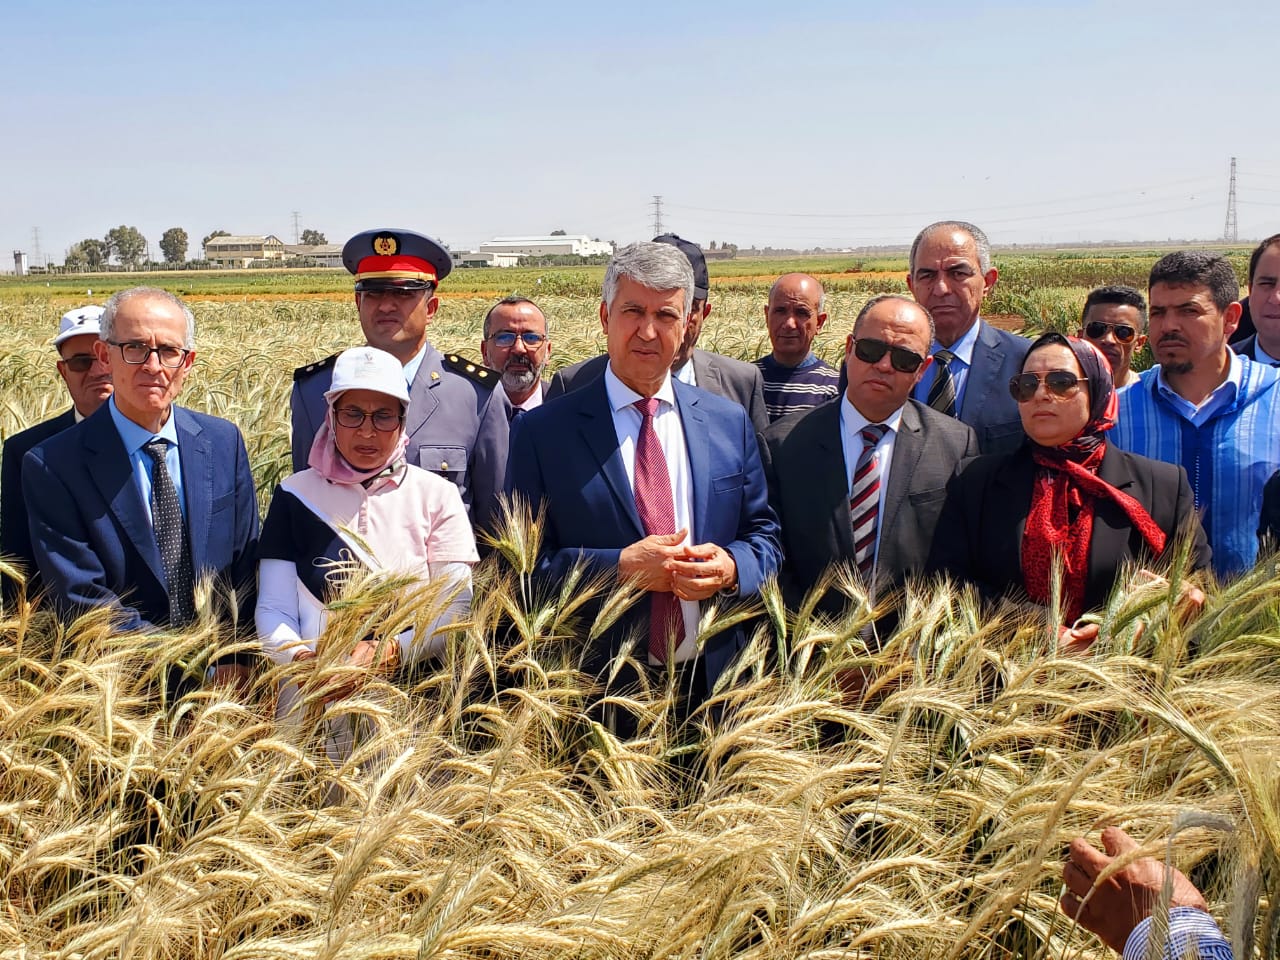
(15, 536)
(988, 408)
(93, 542)
(565, 453)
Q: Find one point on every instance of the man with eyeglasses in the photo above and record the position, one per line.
(89, 383)
(1115, 320)
(457, 423)
(862, 481)
(950, 274)
(1204, 406)
(517, 346)
(137, 504)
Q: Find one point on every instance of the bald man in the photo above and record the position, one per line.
(794, 378)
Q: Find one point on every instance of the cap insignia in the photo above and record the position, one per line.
(386, 245)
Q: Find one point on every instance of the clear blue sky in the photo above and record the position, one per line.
(799, 124)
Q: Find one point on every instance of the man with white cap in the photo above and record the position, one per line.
(88, 381)
(135, 506)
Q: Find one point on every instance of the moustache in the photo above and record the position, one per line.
(1173, 338)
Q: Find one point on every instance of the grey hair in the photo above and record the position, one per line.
(658, 266)
(881, 298)
(979, 240)
(118, 299)
(822, 294)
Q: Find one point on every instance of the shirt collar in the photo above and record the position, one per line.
(1229, 388)
(852, 422)
(621, 396)
(962, 348)
(133, 436)
(1261, 356)
(411, 368)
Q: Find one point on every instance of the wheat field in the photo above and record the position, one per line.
(922, 813)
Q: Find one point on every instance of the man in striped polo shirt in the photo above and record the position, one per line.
(794, 377)
(1206, 407)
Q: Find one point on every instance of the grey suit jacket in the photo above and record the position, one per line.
(809, 490)
(988, 407)
(726, 377)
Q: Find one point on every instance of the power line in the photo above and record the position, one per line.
(1231, 231)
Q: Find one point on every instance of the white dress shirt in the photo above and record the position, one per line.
(851, 424)
(686, 374)
(627, 421)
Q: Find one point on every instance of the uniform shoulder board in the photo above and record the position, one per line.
(302, 373)
(475, 372)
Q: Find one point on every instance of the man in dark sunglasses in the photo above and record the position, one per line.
(516, 345)
(1115, 321)
(88, 382)
(862, 480)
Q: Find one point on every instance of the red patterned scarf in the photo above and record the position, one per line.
(1066, 488)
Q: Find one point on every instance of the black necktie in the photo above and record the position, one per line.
(171, 537)
(942, 395)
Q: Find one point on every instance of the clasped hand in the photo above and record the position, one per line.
(662, 564)
(366, 657)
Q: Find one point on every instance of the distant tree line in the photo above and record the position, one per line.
(125, 248)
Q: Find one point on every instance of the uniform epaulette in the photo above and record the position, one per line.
(303, 372)
(475, 372)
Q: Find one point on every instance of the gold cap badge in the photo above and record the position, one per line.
(386, 245)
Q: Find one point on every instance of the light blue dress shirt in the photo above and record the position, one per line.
(411, 368)
(134, 437)
(963, 349)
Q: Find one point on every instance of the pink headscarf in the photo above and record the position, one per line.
(328, 461)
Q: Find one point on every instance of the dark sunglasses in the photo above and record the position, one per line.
(870, 350)
(507, 338)
(1060, 383)
(79, 363)
(1096, 330)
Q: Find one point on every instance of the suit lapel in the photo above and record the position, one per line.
(422, 395)
(988, 361)
(602, 440)
(1108, 543)
(908, 446)
(109, 468)
(697, 442)
(196, 455)
(706, 373)
(831, 477)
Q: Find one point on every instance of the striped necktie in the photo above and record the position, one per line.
(942, 395)
(171, 537)
(864, 501)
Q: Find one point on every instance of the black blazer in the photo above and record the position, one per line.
(726, 377)
(1269, 522)
(809, 490)
(15, 537)
(979, 537)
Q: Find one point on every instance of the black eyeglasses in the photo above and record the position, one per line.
(80, 362)
(353, 418)
(140, 353)
(1096, 330)
(870, 350)
(1060, 383)
(507, 338)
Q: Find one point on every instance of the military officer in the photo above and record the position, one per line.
(457, 423)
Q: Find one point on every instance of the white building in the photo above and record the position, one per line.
(557, 246)
(325, 254)
(474, 258)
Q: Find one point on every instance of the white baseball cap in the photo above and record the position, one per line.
(79, 321)
(368, 368)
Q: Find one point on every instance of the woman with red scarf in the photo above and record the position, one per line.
(1065, 491)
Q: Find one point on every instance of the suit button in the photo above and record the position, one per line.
(444, 464)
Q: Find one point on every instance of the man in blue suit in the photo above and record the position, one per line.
(950, 275)
(650, 479)
(136, 504)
